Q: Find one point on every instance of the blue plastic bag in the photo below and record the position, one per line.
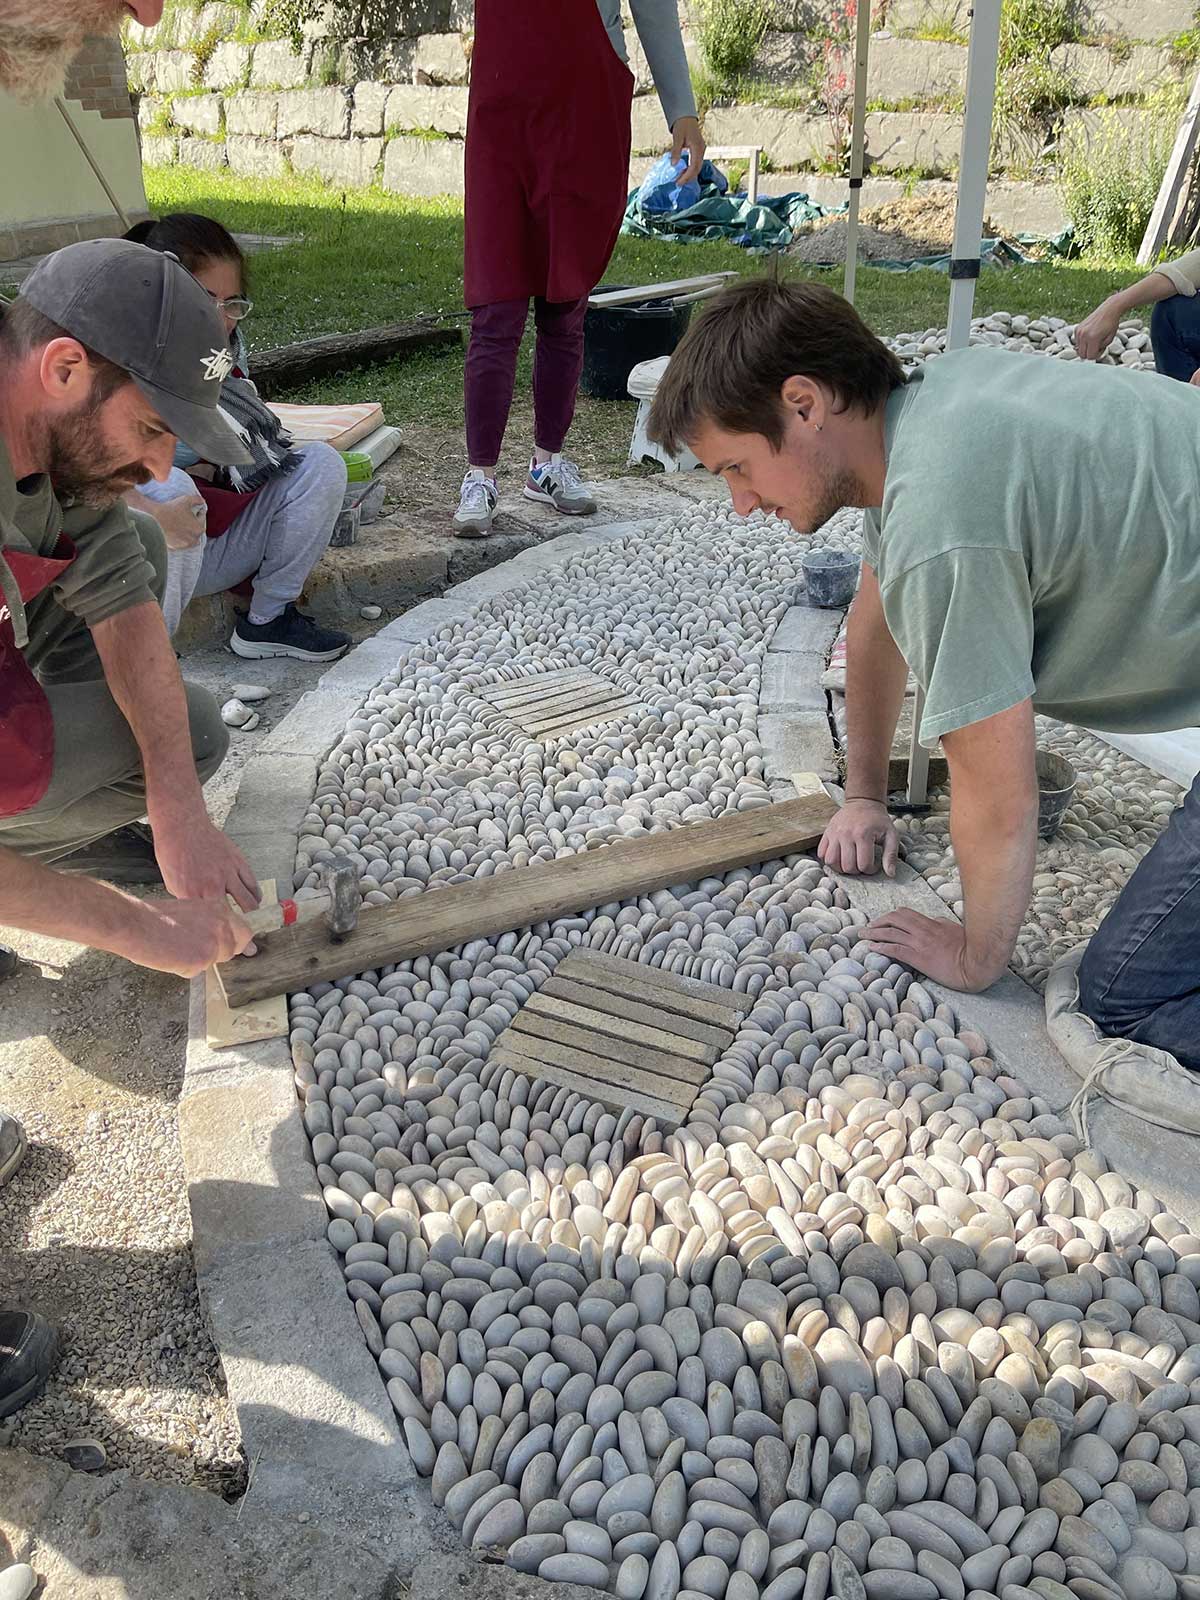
(661, 190)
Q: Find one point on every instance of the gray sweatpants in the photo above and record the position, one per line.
(277, 540)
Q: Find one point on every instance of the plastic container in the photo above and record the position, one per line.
(1056, 790)
(618, 338)
(831, 576)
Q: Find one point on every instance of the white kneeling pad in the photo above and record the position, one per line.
(1147, 1082)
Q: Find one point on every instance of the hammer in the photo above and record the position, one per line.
(339, 900)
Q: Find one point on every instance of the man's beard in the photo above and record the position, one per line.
(76, 449)
(40, 38)
(837, 490)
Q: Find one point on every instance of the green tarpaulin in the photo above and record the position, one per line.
(772, 224)
(765, 224)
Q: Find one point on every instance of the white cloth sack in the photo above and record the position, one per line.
(1146, 1082)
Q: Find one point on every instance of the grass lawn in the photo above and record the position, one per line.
(365, 257)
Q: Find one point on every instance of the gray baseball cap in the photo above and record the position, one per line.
(143, 311)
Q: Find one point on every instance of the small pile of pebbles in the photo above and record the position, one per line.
(871, 1324)
(825, 244)
(1026, 335)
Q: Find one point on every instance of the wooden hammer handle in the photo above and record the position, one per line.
(269, 918)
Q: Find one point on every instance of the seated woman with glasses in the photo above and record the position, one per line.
(269, 522)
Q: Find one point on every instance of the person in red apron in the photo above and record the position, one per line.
(109, 353)
(547, 173)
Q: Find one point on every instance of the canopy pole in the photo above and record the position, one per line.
(982, 59)
(858, 140)
(91, 161)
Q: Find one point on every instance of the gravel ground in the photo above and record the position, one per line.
(95, 1230)
(95, 1226)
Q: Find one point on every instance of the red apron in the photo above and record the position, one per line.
(548, 140)
(224, 506)
(26, 721)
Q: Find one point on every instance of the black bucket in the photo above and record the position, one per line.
(618, 338)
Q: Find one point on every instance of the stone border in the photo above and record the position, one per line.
(322, 1434)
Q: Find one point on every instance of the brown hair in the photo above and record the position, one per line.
(732, 364)
(23, 329)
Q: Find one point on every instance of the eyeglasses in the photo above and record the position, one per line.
(236, 307)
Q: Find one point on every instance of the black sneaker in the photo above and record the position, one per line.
(13, 1145)
(125, 857)
(28, 1355)
(291, 633)
(9, 961)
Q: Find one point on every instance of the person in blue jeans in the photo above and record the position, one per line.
(1174, 321)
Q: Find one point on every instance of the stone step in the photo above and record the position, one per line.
(116, 1537)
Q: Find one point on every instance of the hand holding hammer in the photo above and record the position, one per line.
(338, 901)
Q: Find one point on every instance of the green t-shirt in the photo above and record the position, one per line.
(1040, 537)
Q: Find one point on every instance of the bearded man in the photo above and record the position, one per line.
(40, 38)
(110, 354)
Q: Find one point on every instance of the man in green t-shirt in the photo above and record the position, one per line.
(1029, 545)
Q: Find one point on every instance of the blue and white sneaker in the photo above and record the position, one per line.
(557, 483)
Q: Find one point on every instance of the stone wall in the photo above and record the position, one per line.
(213, 92)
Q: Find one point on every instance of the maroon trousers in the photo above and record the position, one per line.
(496, 333)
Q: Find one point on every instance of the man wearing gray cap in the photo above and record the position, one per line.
(110, 354)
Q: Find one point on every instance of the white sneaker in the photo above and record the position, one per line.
(557, 483)
(476, 506)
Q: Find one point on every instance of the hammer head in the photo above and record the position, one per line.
(341, 880)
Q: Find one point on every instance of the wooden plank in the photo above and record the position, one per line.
(625, 1011)
(666, 998)
(261, 1019)
(597, 1067)
(558, 702)
(583, 719)
(655, 291)
(615, 1100)
(623, 1050)
(438, 920)
(275, 371)
(1173, 180)
(597, 1020)
(561, 707)
(939, 772)
(581, 962)
(518, 689)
